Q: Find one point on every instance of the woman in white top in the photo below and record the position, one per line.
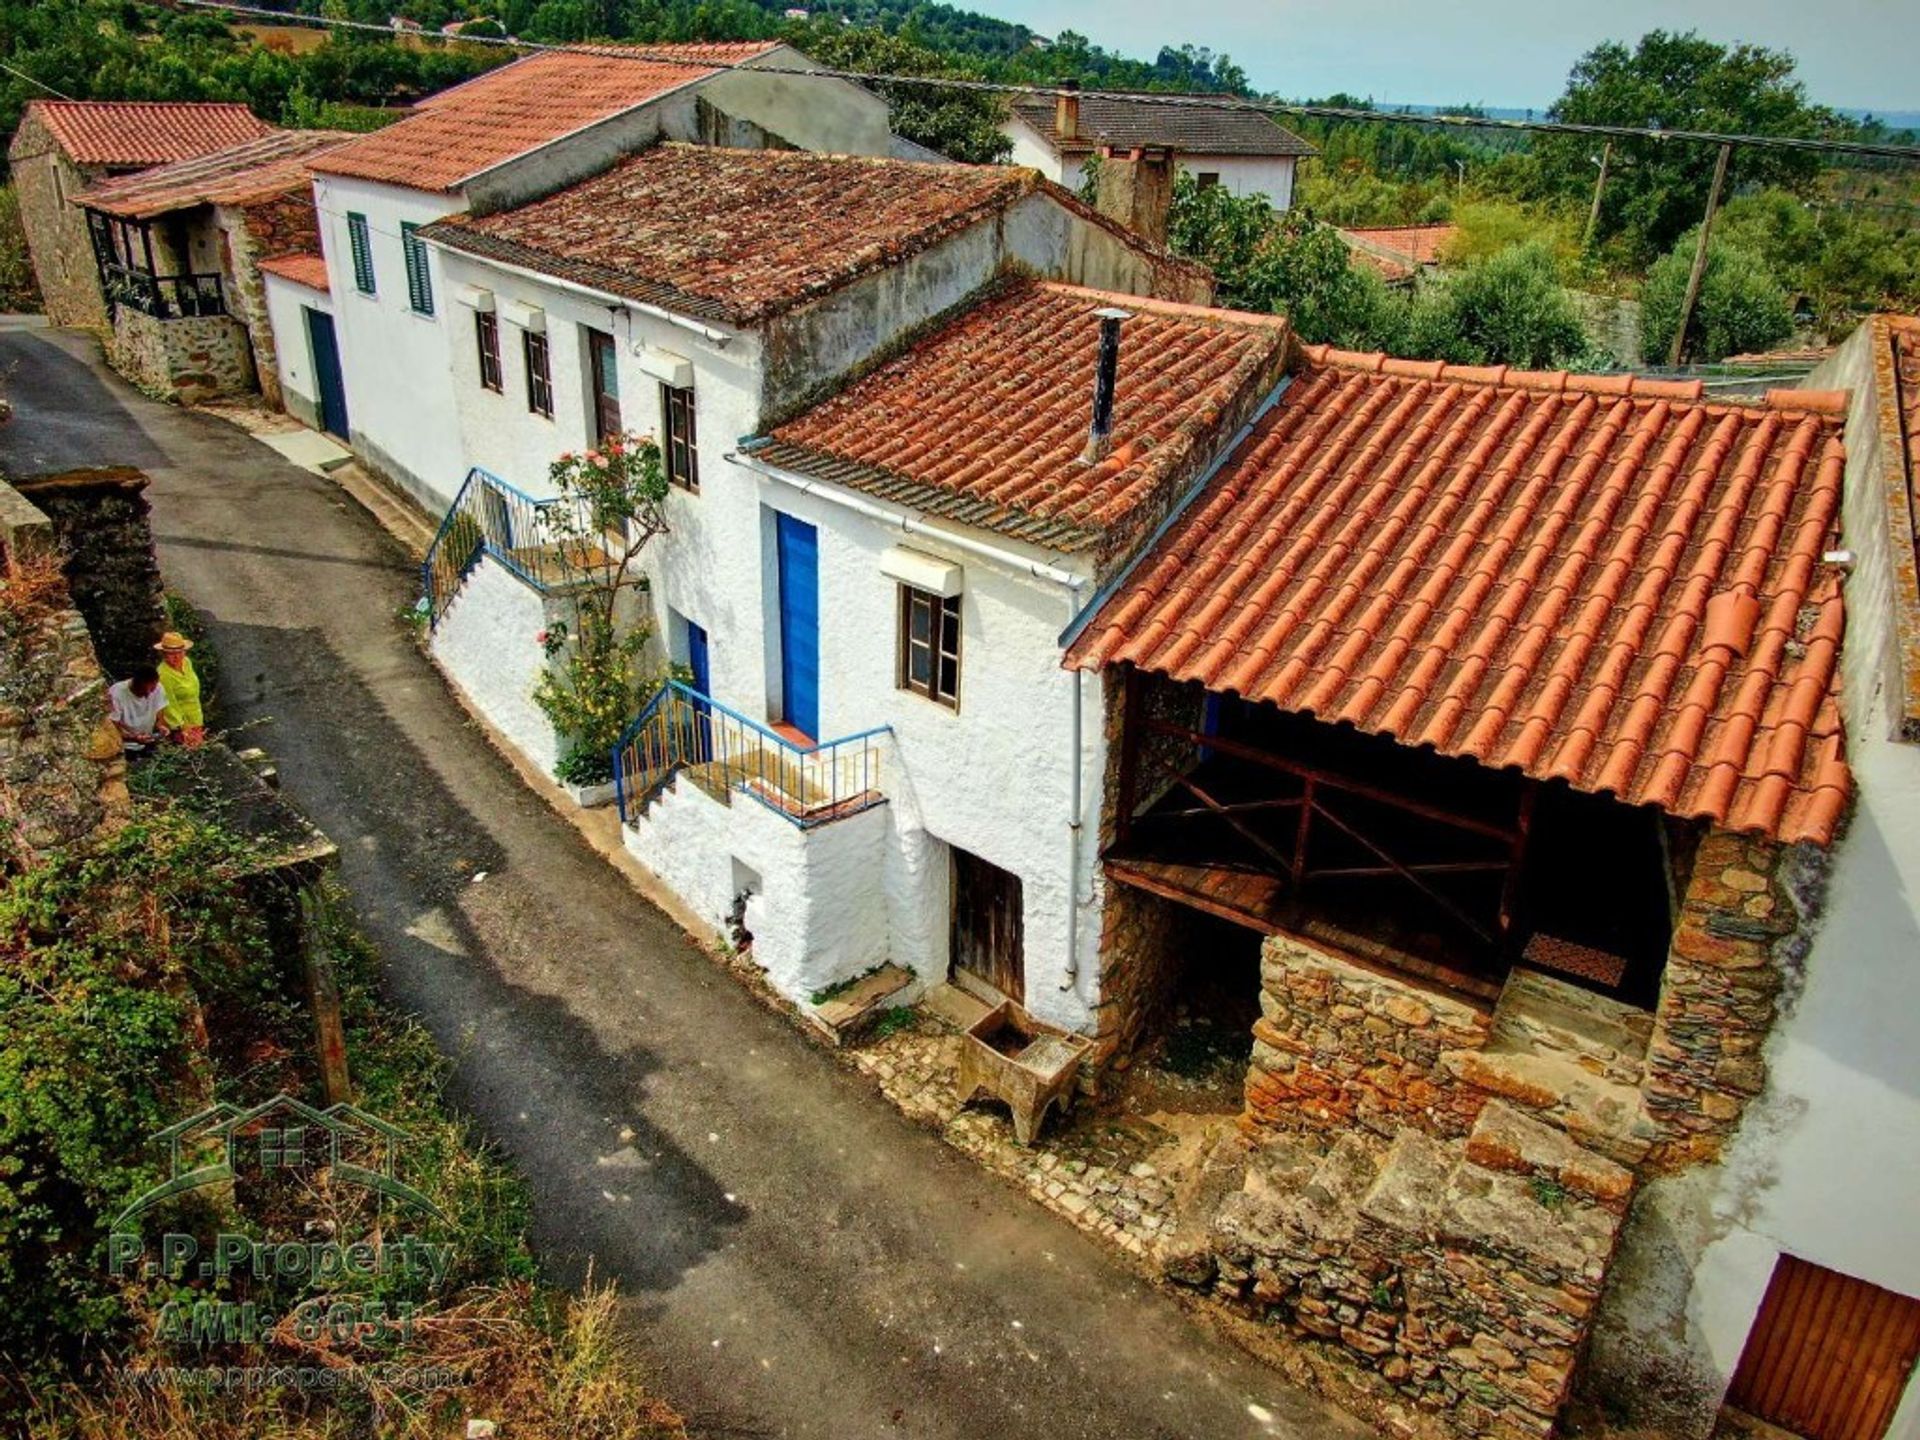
(135, 705)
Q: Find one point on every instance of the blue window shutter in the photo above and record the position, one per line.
(419, 282)
(362, 248)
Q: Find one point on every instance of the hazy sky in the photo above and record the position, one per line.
(1498, 52)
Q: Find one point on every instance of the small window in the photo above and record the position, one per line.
(930, 645)
(362, 248)
(1207, 179)
(486, 334)
(539, 376)
(419, 281)
(683, 451)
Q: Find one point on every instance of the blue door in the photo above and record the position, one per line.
(799, 554)
(702, 682)
(326, 372)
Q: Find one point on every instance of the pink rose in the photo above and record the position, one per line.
(599, 460)
(540, 638)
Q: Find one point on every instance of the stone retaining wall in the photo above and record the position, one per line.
(101, 523)
(190, 358)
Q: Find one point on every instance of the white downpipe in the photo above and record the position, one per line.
(912, 524)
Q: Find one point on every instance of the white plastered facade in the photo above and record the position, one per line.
(1241, 175)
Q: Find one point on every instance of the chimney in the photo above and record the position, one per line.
(1100, 433)
(1135, 187)
(1066, 111)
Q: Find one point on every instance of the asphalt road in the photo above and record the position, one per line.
(797, 1258)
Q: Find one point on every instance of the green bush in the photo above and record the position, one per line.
(19, 294)
(1742, 307)
(1509, 309)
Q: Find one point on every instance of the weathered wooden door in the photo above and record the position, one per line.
(987, 947)
(1829, 1356)
(606, 385)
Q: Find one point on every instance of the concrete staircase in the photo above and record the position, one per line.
(1573, 1058)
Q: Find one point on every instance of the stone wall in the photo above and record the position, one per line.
(188, 359)
(1742, 933)
(44, 179)
(1139, 958)
(62, 775)
(1338, 1045)
(286, 224)
(101, 524)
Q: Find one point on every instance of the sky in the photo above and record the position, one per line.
(1854, 53)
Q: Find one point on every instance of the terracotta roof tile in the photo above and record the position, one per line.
(144, 132)
(735, 236)
(985, 420)
(459, 133)
(1410, 245)
(1616, 585)
(304, 269)
(1214, 129)
(239, 175)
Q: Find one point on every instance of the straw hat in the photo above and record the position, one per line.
(173, 640)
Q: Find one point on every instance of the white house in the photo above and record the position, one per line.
(872, 617)
(1243, 150)
(378, 350)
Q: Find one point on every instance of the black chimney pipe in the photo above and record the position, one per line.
(1100, 435)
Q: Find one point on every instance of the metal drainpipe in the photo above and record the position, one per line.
(1074, 825)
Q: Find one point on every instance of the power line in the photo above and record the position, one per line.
(1268, 108)
(57, 94)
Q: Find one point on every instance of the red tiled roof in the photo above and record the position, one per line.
(460, 132)
(240, 175)
(144, 132)
(1600, 580)
(736, 236)
(303, 269)
(984, 421)
(1419, 244)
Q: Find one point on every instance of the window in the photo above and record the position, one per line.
(362, 248)
(1207, 179)
(539, 375)
(683, 451)
(930, 645)
(419, 282)
(486, 334)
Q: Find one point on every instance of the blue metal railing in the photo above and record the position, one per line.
(490, 516)
(681, 729)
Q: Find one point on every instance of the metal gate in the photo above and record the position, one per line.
(1829, 1356)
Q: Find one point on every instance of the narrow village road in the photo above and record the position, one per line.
(798, 1259)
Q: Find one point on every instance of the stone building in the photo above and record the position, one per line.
(179, 249)
(65, 147)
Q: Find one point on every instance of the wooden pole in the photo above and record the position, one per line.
(323, 997)
(1599, 186)
(1699, 259)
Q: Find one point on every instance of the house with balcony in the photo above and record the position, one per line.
(179, 250)
(1241, 149)
(64, 147)
(878, 759)
(366, 354)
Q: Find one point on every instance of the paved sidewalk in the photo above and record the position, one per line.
(798, 1258)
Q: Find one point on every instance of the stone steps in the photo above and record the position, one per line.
(850, 1012)
(1602, 1115)
(1539, 1014)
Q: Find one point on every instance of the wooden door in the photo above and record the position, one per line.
(1829, 1356)
(987, 945)
(331, 384)
(606, 385)
(798, 545)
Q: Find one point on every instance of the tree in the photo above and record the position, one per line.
(959, 124)
(1508, 309)
(1741, 307)
(1657, 189)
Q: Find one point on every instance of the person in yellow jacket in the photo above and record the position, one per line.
(183, 714)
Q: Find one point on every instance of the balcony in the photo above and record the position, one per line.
(490, 516)
(165, 297)
(722, 752)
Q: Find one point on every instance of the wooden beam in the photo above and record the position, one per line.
(1414, 880)
(1139, 880)
(1246, 831)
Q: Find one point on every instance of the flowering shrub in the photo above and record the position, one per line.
(610, 506)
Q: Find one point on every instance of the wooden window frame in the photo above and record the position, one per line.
(360, 246)
(539, 357)
(419, 277)
(943, 626)
(486, 336)
(680, 452)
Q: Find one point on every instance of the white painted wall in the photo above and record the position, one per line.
(1269, 175)
(287, 304)
(400, 403)
(486, 642)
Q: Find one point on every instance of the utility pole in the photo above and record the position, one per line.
(1599, 185)
(1699, 259)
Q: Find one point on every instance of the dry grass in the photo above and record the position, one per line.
(543, 1365)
